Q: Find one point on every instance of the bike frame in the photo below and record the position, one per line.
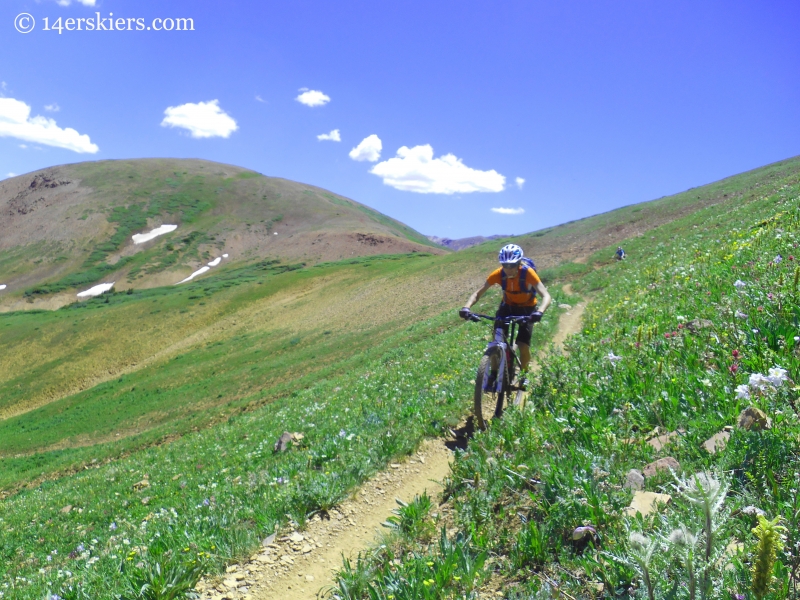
(501, 340)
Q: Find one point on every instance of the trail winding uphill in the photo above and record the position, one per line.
(297, 565)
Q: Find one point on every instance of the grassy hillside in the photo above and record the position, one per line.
(164, 403)
(699, 324)
(69, 227)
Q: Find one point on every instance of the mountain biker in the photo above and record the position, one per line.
(520, 285)
(620, 253)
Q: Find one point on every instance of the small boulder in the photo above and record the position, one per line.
(581, 536)
(66, 509)
(752, 418)
(565, 306)
(634, 480)
(283, 442)
(717, 442)
(660, 441)
(662, 464)
(646, 503)
(697, 324)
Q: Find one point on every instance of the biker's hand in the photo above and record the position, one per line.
(536, 316)
(464, 313)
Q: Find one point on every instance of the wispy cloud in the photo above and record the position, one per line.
(16, 122)
(52, 107)
(333, 136)
(415, 170)
(9, 175)
(202, 120)
(312, 97)
(520, 182)
(84, 2)
(368, 150)
(260, 99)
(509, 211)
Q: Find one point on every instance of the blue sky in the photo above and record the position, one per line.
(594, 104)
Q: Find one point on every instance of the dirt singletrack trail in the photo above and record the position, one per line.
(298, 564)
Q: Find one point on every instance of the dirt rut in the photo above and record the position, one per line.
(299, 564)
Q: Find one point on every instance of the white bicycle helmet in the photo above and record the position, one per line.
(510, 254)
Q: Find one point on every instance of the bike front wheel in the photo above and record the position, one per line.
(486, 377)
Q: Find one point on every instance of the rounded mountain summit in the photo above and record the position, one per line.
(64, 229)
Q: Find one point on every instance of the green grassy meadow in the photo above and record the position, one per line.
(699, 323)
(137, 428)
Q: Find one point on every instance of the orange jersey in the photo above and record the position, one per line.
(514, 294)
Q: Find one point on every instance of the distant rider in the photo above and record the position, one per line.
(520, 285)
(620, 253)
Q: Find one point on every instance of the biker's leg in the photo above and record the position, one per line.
(524, 355)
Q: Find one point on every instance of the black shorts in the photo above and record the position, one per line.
(523, 331)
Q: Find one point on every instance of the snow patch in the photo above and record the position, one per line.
(2, 286)
(141, 238)
(199, 271)
(96, 290)
(202, 270)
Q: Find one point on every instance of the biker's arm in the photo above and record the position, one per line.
(477, 295)
(545, 297)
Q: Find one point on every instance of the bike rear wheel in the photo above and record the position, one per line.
(489, 365)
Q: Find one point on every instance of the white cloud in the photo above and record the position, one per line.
(312, 98)
(203, 120)
(84, 2)
(9, 175)
(369, 149)
(24, 146)
(509, 211)
(52, 107)
(332, 136)
(16, 122)
(260, 99)
(415, 170)
(520, 182)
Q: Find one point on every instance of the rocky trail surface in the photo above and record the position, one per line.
(298, 564)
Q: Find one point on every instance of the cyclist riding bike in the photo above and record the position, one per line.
(620, 253)
(520, 284)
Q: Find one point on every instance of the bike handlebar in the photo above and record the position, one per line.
(475, 317)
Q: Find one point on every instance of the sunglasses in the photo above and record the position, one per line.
(509, 265)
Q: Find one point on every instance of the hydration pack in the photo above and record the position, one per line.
(524, 265)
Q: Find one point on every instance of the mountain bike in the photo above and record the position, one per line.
(494, 381)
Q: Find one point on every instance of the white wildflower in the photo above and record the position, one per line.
(740, 315)
(739, 284)
(613, 358)
(638, 540)
(759, 382)
(682, 537)
(743, 391)
(777, 376)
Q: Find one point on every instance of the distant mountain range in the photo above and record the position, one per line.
(462, 243)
